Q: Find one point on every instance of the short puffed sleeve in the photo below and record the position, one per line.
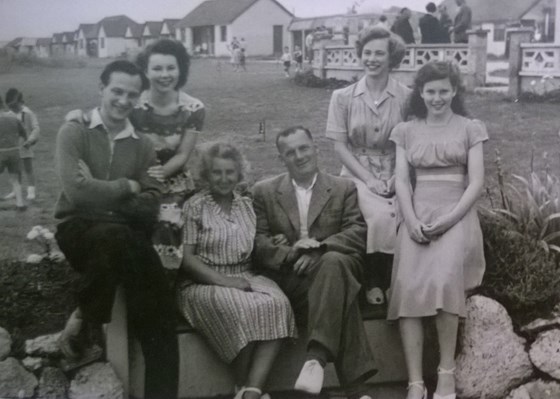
(337, 120)
(398, 134)
(476, 132)
(196, 119)
(192, 211)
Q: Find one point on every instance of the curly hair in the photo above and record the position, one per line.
(436, 70)
(167, 47)
(396, 45)
(221, 150)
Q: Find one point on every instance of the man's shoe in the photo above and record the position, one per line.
(10, 196)
(310, 378)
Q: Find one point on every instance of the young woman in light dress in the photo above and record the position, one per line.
(439, 249)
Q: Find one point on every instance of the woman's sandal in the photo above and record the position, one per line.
(241, 392)
(420, 385)
(442, 371)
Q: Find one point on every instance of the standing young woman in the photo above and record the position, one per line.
(172, 120)
(439, 250)
(361, 118)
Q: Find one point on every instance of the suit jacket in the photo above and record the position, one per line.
(430, 29)
(334, 218)
(462, 24)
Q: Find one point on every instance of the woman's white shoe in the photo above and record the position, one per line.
(442, 371)
(419, 385)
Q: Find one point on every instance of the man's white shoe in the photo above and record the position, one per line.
(310, 377)
(10, 196)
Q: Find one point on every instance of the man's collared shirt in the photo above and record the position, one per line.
(128, 130)
(303, 196)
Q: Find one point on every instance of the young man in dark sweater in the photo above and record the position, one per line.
(108, 206)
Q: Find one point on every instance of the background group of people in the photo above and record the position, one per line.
(434, 29)
(238, 57)
(19, 132)
(254, 270)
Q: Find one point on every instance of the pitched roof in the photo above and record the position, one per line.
(57, 38)
(154, 28)
(171, 23)
(29, 41)
(68, 37)
(219, 12)
(90, 30)
(116, 26)
(15, 42)
(43, 41)
(494, 10)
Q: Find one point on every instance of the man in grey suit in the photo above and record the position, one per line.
(311, 240)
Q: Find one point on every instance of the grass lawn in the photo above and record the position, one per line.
(236, 103)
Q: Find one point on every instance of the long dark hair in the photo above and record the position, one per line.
(436, 70)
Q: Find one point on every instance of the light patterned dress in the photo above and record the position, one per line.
(166, 133)
(230, 318)
(364, 124)
(431, 277)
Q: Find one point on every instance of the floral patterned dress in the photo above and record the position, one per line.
(166, 133)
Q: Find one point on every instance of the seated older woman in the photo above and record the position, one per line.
(243, 316)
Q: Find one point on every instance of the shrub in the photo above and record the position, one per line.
(308, 79)
(519, 274)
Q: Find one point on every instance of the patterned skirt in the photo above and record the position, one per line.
(435, 276)
(230, 318)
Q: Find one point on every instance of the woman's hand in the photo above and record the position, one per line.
(279, 239)
(439, 226)
(390, 184)
(376, 186)
(237, 282)
(416, 230)
(156, 172)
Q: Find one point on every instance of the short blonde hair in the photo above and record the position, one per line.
(221, 150)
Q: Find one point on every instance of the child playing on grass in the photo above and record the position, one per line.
(286, 60)
(298, 57)
(14, 101)
(11, 130)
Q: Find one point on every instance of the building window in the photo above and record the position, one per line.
(183, 35)
(102, 43)
(223, 33)
(499, 33)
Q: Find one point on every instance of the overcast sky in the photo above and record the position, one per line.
(42, 18)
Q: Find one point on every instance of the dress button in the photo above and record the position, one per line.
(376, 129)
(393, 214)
(390, 202)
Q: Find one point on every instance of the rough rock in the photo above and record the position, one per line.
(5, 344)
(492, 359)
(96, 381)
(539, 325)
(33, 363)
(53, 384)
(15, 381)
(545, 351)
(45, 345)
(538, 389)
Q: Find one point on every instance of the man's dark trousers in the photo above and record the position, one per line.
(111, 254)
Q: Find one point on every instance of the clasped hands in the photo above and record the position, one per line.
(381, 187)
(304, 253)
(423, 233)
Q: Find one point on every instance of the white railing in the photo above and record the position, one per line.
(540, 59)
(344, 56)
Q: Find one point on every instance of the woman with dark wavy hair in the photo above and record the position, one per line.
(361, 118)
(172, 120)
(439, 250)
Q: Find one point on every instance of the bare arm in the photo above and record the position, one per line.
(181, 157)
(201, 273)
(470, 196)
(33, 136)
(404, 196)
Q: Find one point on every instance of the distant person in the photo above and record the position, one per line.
(107, 208)
(402, 26)
(446, 24)
(309, 46)
(11, 132)
(242, 59)
(14, 101)
(286, 61)
(462, 22)
(298, 58)
(430, 27)
(382, 23)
